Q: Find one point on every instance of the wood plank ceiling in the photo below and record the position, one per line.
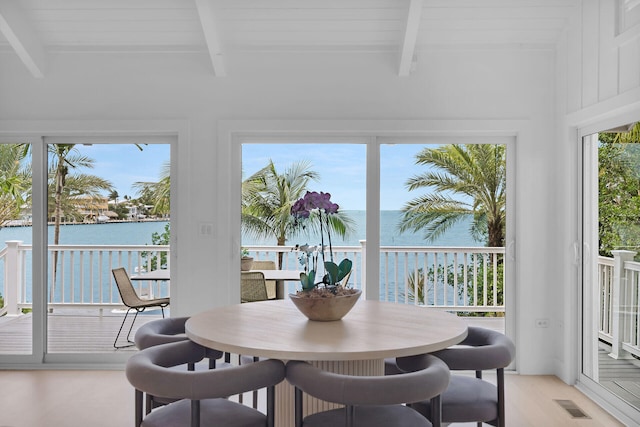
(33, 28)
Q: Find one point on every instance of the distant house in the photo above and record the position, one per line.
(86, 209)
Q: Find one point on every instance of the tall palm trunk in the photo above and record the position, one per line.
(61, 172)
(281, 241)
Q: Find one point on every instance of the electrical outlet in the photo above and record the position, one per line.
(205, 229)
(542, 323)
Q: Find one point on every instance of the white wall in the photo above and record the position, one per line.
(462, 85)
(598, 81)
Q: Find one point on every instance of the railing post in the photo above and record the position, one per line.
(12, 273)
(363, 266)
(618, 301)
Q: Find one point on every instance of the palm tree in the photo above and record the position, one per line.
(467, 179)
(267, 197)
(66, 186)
(15, 180)
(159, 192)
(113, 195)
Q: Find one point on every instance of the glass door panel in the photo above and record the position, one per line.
(16, 285)
(611, 261)
(275, 175)
(441, 245)
(108, 207)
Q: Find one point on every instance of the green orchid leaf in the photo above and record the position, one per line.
(344, 268)
(332, 273)
(307, 280)
(337, 272)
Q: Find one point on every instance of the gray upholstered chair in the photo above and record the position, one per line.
(469, 399)
(370, 401)
(203, 393)
(252, 286)
(270, 284)
(164, 331)
(132, 301)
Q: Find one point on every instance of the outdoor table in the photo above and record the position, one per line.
(155, 276)
(280, 276)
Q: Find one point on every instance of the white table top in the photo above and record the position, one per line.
(153, 275)
(280, 274)
(372, 330)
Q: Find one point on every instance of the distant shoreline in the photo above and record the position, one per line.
(115, 221)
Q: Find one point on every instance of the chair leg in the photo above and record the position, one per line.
(138, 408)
(195, 413)
(350, 413)
(131, 327)
(297, 407)
(271, 405)
(148, 404)
(500, 380)
(255, 392)
(120, 330)
(436, 411)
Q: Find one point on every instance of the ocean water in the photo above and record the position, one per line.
(130, 233)
(389, 234)
(120, 233)
(140, 233)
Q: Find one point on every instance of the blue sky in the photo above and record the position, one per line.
(124, 164)
(342, 167)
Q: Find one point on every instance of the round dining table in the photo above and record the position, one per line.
(356, 345)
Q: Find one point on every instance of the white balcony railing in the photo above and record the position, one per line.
(454, 278)
(461, 279)
(82, 275)
(619, 291)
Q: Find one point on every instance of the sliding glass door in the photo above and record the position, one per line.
(611, 265)
(462, 266)
(71, 209)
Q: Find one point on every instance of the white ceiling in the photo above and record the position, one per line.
(34, 28)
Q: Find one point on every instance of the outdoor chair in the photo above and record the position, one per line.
(270, 284)
(133, 302)
(200, 397)
(252, 286)
(370, 401)
(469, 399)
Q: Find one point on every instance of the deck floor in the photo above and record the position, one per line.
(620, 376)
(72, 331)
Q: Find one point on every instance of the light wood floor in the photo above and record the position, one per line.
(105, 398)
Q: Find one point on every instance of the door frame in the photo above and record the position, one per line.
(586, 315)
(35, 132)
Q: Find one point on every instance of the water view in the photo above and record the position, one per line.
(389, 234)
(139, 233)
(116, 233)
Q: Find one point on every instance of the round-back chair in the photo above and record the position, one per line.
(200, 397)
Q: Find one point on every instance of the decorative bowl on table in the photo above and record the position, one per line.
(325, 308)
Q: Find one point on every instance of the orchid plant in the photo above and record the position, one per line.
(333, 273)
